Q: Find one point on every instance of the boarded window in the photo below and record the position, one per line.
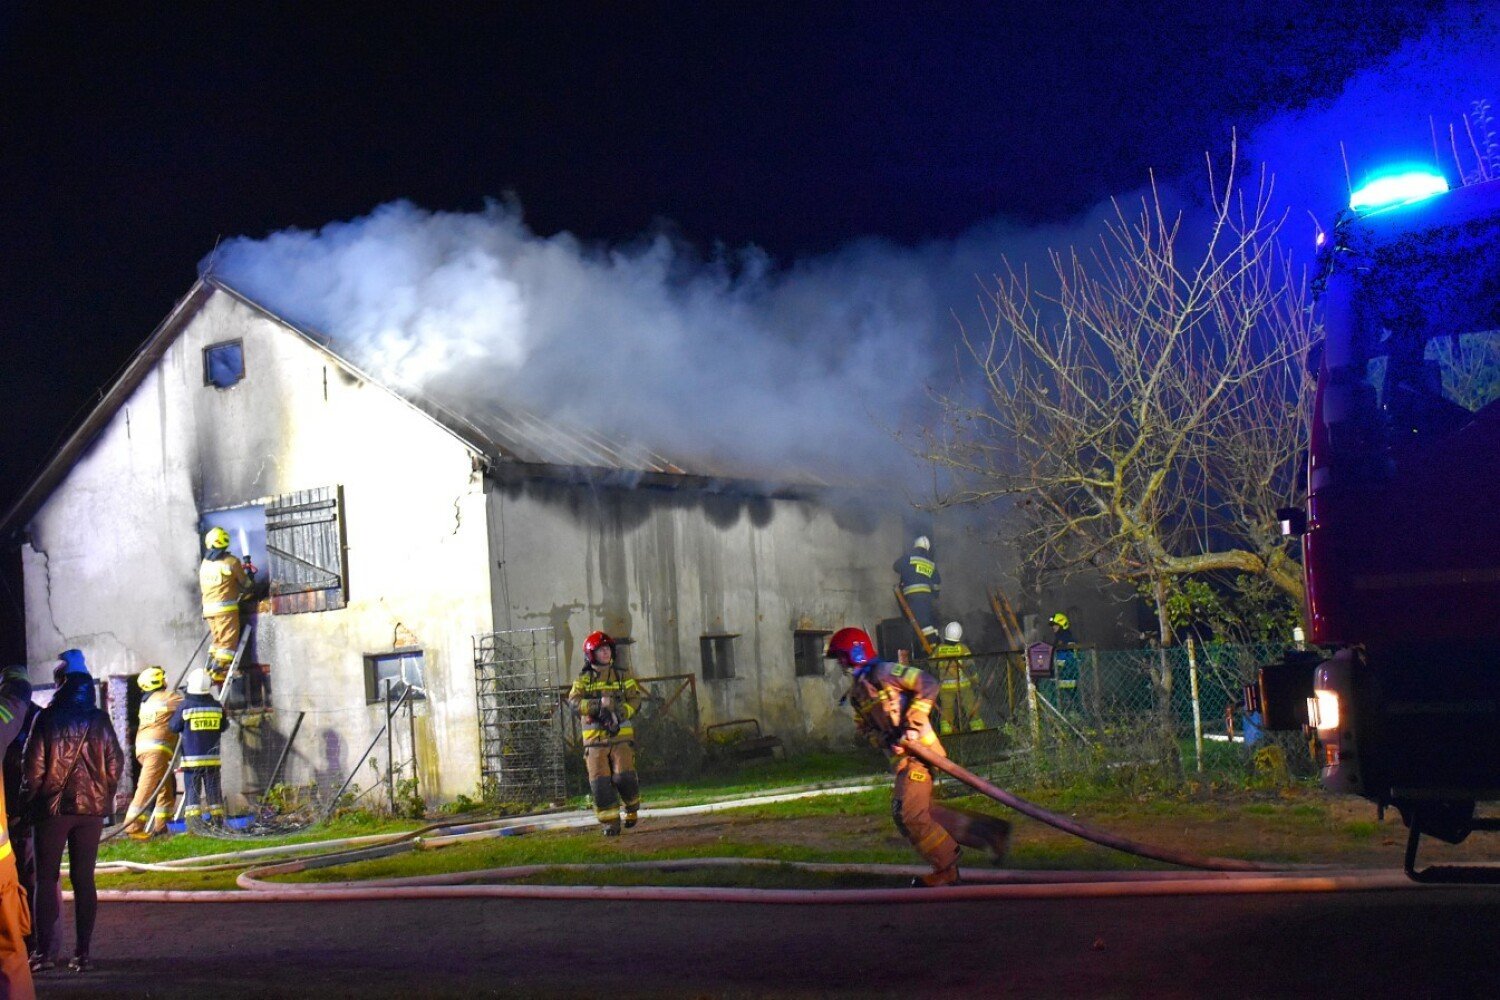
(808, 652)
(223, 364)
(398, 671)
(718, 656)
(305, 544)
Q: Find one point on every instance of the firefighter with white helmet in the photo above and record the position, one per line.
(958, 702)
(155, 744)
(920, 583)
(892, 702)
(200, 721)
(606, 699)
(224, 582)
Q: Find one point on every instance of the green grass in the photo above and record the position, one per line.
(1246, 821)
(189, 845)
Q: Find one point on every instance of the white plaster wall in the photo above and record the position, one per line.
(111, 567)
(665, 567)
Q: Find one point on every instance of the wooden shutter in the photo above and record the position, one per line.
(305, 542)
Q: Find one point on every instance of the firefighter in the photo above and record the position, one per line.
(224, 583)
(200, 721)
(958, 703)
(892, 702)
(606, 699)
(16, 715)
(155, 744)
(920, 583)
(1067, 662)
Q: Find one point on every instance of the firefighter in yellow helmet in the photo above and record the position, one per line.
(224, 582)
(155, 744)
(606, 699)
(958, 701)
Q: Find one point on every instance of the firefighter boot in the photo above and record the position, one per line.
(940, 877)
(631, 818)
(997, 838)
(612, 830)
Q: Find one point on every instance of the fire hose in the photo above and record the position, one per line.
(1222, 876)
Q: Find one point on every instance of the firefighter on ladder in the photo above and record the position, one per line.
(200, 720)
(155, 744)
(920, 582)
(224, 582)
(606, 699)
(958, 702)
(892, 702)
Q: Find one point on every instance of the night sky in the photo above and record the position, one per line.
(131, 143)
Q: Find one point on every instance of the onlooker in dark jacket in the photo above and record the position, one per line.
(16, 820)
(73, 765)
(15, 974)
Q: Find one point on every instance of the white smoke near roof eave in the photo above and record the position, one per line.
(734, 364)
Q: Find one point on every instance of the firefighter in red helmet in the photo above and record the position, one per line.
(606, 699)
(892, 702)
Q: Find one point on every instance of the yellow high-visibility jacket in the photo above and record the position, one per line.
(587, 696)
(155, 731)
(223, 581)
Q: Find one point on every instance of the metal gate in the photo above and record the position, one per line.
(520, 741)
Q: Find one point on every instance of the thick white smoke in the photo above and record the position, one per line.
(737, 366)
(731, 363)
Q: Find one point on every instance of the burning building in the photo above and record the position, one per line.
(397, 525)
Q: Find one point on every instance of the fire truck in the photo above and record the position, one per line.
(1401, 528)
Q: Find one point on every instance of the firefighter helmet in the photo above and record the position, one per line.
(198, 681)
(593, 642)
(953, 632)
(851, 647)
(216, 538)
(923, 542)
(152, 679)
(1059, 619)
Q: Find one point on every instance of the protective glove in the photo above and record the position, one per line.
(609, 721)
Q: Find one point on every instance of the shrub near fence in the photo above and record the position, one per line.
(1118, 715)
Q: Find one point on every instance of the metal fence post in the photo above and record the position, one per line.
(1192, 653)
(1034, 710)
(390, 749)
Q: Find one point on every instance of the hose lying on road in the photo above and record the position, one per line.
(1217, 875)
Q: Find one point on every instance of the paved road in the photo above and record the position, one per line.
(1372, 944)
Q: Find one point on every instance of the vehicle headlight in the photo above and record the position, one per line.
(1323, 709)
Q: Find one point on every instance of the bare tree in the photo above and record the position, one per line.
(1146, 407)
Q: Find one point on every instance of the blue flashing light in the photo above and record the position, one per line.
(1401, 187)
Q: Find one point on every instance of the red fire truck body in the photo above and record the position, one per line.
(1401, 534)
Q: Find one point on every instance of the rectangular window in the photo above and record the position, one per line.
(399, 670)
(223, 364)
(808, 646)
(718, 655)
(306, 551)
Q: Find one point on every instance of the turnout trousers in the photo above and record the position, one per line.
(613, 782)
(936, 830)
(225, 631)
(202, 794)
(155, 778)
(15, 928)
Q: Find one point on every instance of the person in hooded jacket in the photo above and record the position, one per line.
(73, 767)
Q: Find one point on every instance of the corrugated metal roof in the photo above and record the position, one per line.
(510, 438)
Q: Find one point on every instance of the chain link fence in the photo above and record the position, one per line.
(1126, 716)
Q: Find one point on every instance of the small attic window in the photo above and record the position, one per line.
(223, 364)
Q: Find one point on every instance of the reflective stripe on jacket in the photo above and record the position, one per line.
(888, 698)
(154, 731)
(919, 574)
(200, 720)
(590, 688)
(223, 581)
